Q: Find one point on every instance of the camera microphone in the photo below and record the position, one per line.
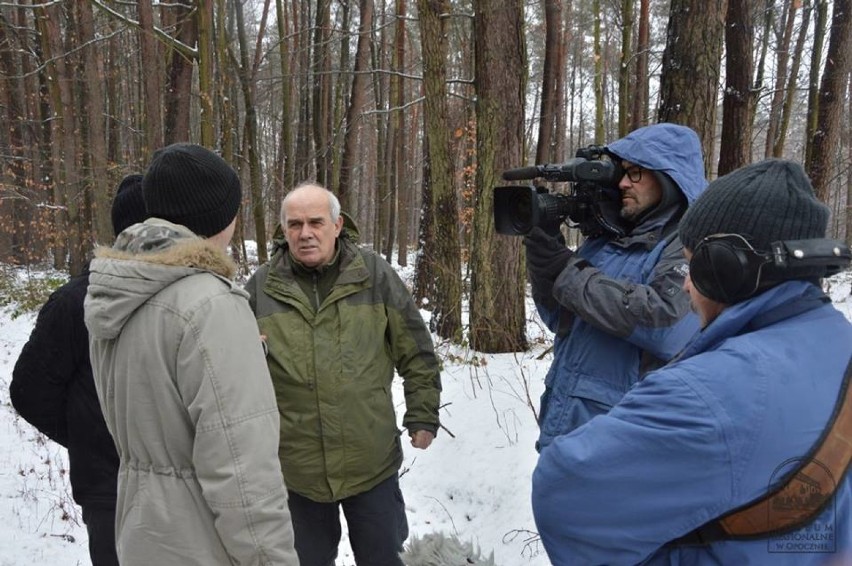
(522, 173)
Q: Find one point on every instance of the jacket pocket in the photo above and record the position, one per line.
(563, 412)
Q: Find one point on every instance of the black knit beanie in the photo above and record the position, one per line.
(190, 185)
(128, 207)
(764, 202)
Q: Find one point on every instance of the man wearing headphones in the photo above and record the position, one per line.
(730, 453)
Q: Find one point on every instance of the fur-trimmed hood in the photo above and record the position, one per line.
(145, 259)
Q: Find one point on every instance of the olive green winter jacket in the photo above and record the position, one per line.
(332, 369)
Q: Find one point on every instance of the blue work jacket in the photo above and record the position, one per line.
(704, 435)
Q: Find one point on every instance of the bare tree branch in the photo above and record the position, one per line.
(177, 45)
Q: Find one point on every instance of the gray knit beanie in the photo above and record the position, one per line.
(764, 202)
(190, 185)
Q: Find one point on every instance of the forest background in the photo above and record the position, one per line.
(409, 110)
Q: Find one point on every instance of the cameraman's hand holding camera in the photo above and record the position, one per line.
(546, 253)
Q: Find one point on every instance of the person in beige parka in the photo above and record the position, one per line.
(182, 381)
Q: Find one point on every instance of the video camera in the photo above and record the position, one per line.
(594, 177)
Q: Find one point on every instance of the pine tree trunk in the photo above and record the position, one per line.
(441, 255)
(552, 76)
(357, 101)
(624, 92)
(690, 80)
(639, 115)
(98, 180)
(791, 94)
(782, 59)
(151, 78)
(176, 119)
(820, 23)
(737, 104)
(832, 87)
(497, 313)
(321, 116)
(404, 185)
(246, 72)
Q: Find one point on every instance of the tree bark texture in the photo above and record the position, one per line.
(689, 85)
(497, 313)
(441, 253)
(737, 103)
(832, 88)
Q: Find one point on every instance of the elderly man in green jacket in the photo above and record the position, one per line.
(338, 321)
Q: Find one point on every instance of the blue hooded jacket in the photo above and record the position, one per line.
(618, 308)
(702, 436)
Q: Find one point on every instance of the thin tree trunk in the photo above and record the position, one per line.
(834, 77)
(404, 184)
(357, 101)
(561, 117)
(286, 175)
(66, 176)
(342, 92)
(792, 93)
(639, 116)
(15, 225)
(552, 76)
(394, 151)
(322, 92)
(758, 88)
(179, 78)
(93, 69)
(380, 90)
(848, 211)
(151, 78)
(624, 92)
(304, 140)
(820, 23)
(599, 78)
(206, 89)
(782, 58)
(737, 105)
(247, 81)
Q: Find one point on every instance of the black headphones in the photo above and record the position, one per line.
(726, 268)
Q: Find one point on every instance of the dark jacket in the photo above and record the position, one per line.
(52, 389)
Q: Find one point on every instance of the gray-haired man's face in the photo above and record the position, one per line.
(310, 232)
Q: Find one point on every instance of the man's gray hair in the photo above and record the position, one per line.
(333, 202)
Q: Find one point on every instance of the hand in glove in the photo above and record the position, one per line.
(546, 253)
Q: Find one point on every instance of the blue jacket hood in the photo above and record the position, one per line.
(669, 148)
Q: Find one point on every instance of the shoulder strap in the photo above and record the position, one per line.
(801, 496)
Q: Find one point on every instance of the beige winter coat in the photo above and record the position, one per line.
(186, 394)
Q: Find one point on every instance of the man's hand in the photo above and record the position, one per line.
(546, 254)
(421, 438)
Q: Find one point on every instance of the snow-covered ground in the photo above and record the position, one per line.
(474, 481)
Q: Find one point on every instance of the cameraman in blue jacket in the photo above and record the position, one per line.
(733, 416)
(617, 305)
